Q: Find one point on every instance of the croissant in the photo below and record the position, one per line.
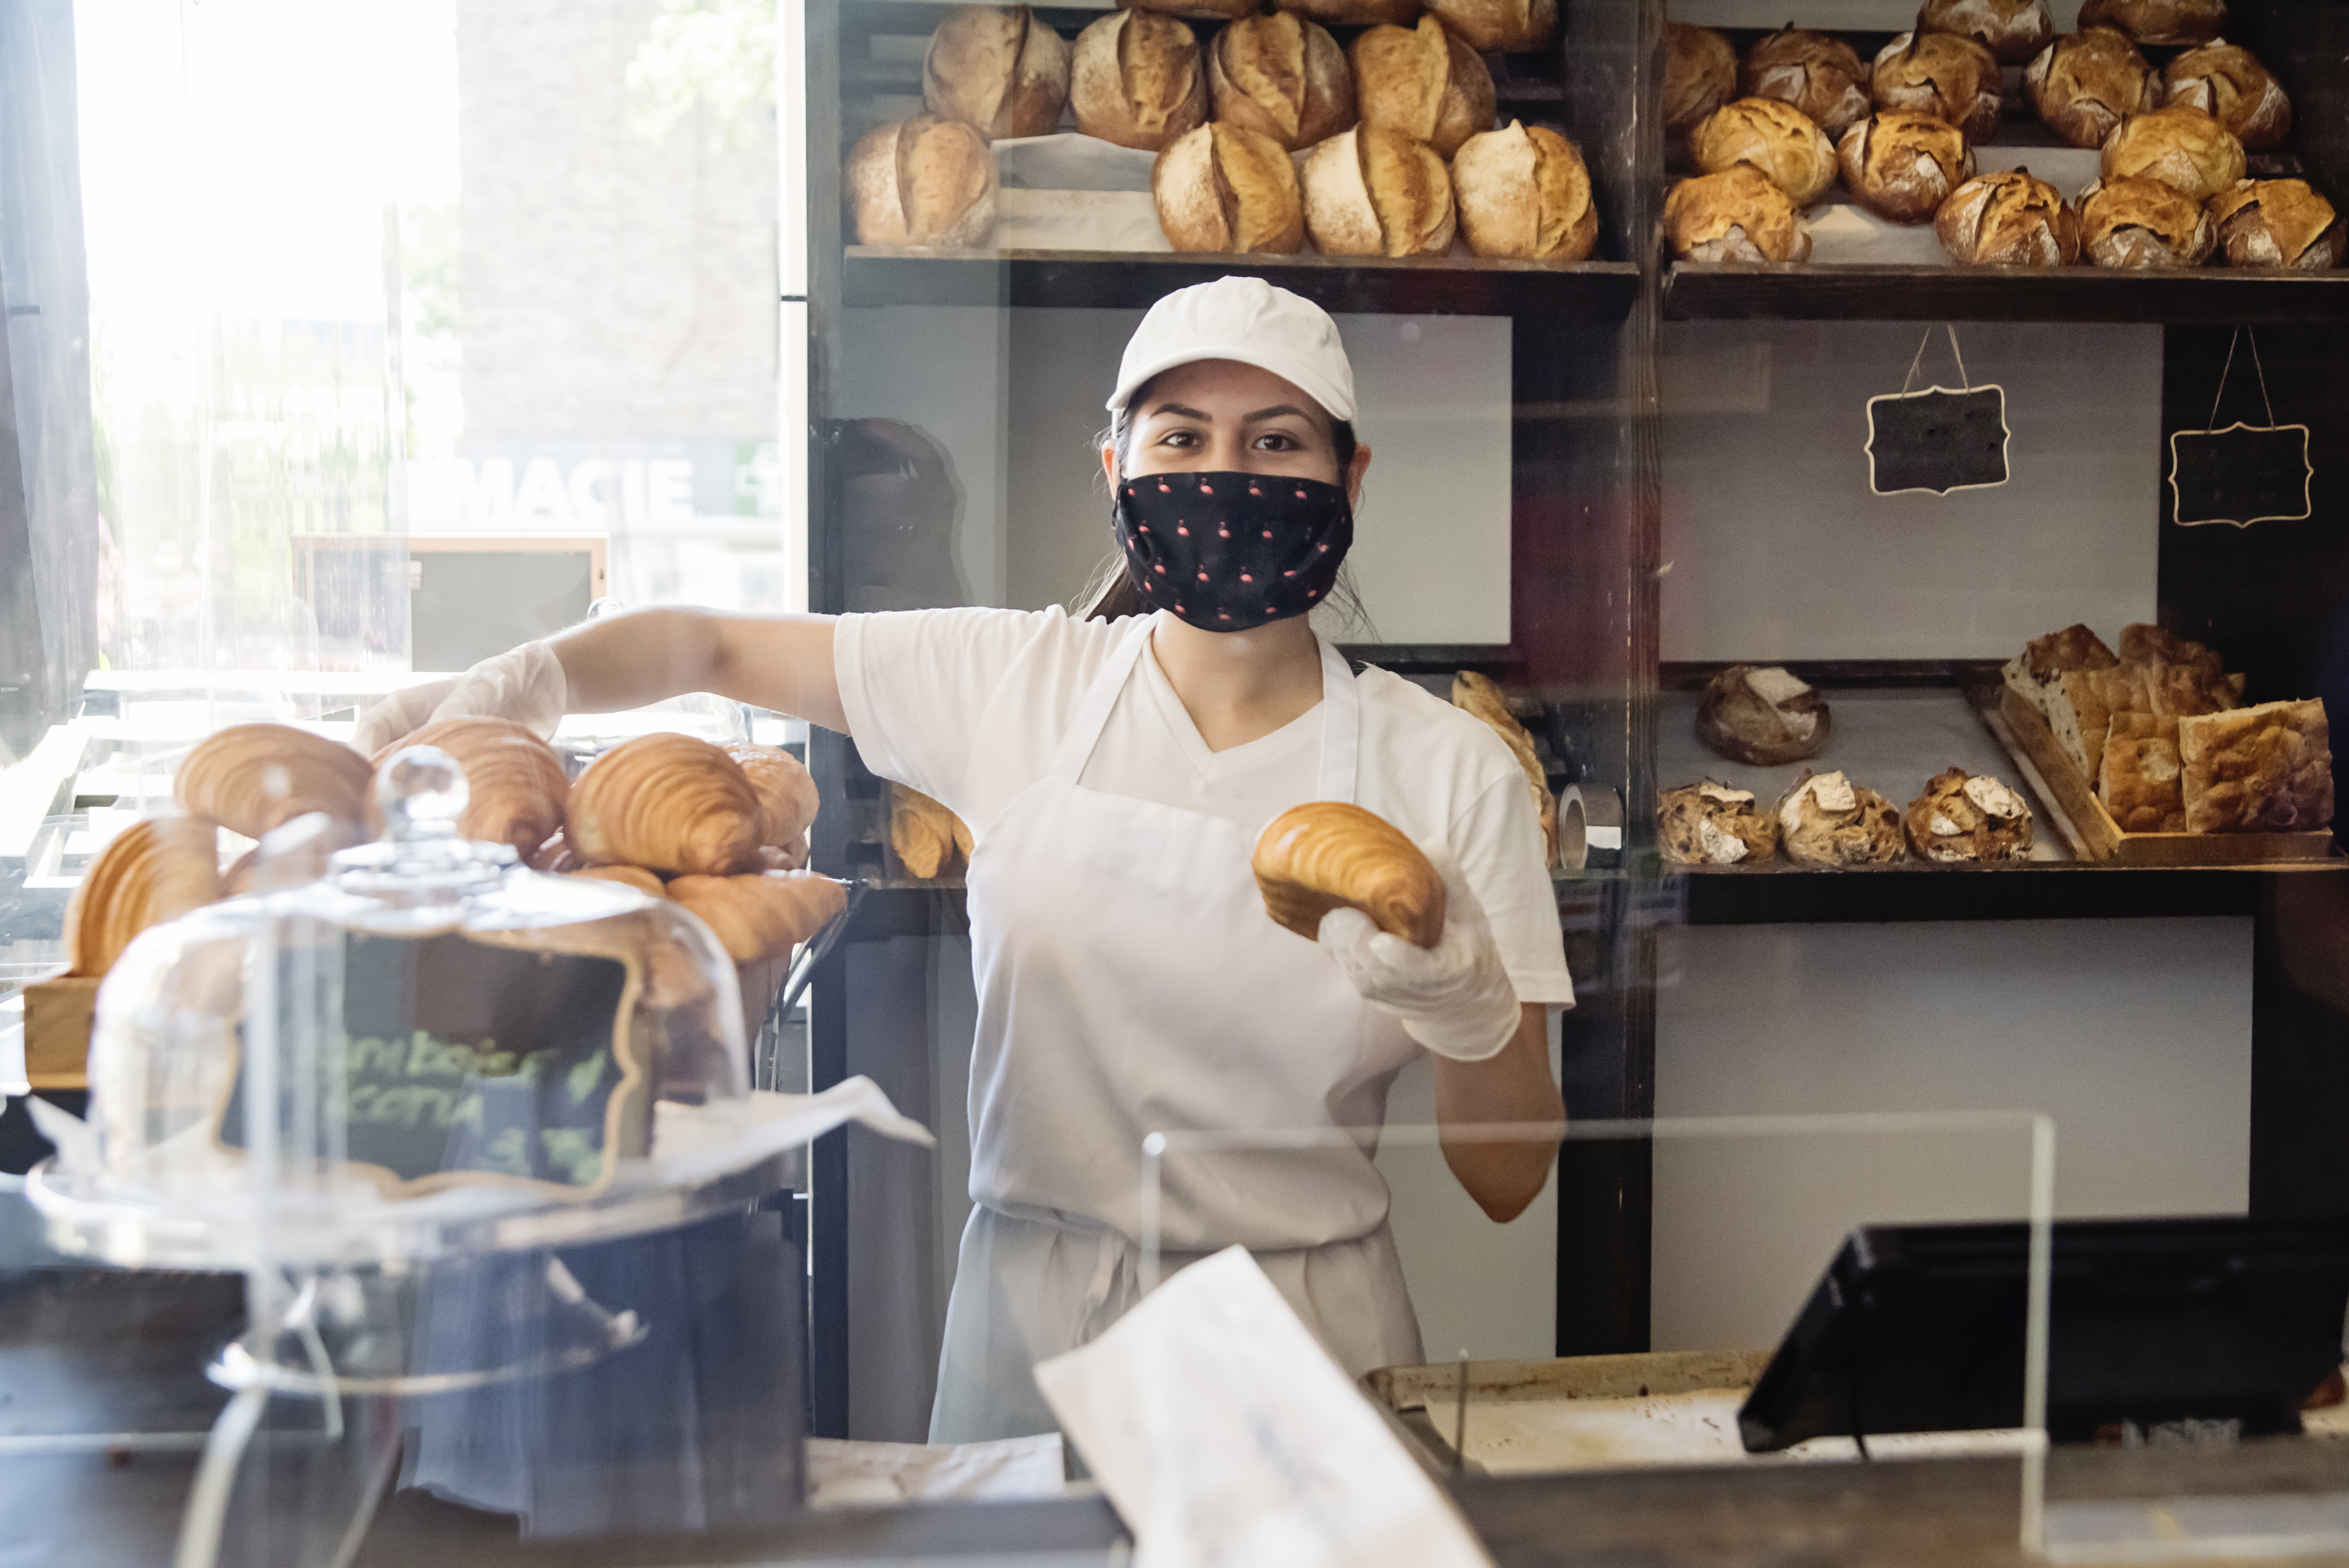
(636, 877)
(667, 802)
(924, 834)
(154, 871)
(514, 783)
(251, 778)
(1480, 696)
(787, 799)
(765, 914)
(1325, 855)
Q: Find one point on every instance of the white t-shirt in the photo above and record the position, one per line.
(920, 688)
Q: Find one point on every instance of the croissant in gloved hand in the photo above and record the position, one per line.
(1455, 998)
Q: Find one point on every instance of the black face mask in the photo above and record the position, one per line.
(1228, 553)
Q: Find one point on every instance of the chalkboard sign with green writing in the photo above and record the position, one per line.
(460, 1061)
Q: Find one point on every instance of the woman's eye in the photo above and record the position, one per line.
(1274, 441)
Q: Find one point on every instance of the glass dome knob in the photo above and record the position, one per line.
(422, 793)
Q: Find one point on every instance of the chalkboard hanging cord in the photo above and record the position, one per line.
(1965, 382)
(2256, 368)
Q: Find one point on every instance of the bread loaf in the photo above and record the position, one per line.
(762, 914)
(1356, 13)
(2180, 147)
(922, 181)
(2144, 223)
(1482, 697)
(1775, 137)
(1965, 819)
(1206, 10)
(1821, 76)
(1424, 82)
(1738, 215)
(2082, 84)
(2139, 782)
(2053, 673)
(1711, 824)
(1945, 75)
(1371, 191)
(2261, 769)
(787, 797)
(1827, 821)
(1220, 188)
(1326, 855)
(669, 803)
(514, 784)
(1524, 193)
(2278, 223)
(251, 778)
(1002, 72)
(2233, 88)
(1699, 74)
(1281, 77)
(2013, 30)
(1902, 166)
(2158, 21)
(2008, 219)
(155, 870)
(1764, 716)
(1137, 80)
(1499, 26)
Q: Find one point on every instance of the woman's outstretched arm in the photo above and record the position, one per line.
(778, 662)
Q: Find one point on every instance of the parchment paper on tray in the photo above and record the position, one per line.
(1844, 233)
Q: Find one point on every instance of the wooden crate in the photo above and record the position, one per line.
(2096, 837)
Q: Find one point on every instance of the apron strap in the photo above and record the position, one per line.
(1076, 747)
(1341, 726)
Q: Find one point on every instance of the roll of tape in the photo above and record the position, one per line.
(1573, 831)
(1602, 815)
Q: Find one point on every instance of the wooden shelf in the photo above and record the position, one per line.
(1804, 292)
(1432, 285)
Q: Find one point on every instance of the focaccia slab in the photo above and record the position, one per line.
(2263, 769)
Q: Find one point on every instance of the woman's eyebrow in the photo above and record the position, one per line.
(1181, 412)
(1277, 411)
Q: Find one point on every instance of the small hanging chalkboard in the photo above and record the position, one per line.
(2245, 473)
(464, 1061)
(1938, 440)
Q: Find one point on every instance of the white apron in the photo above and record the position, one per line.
(1129, 982)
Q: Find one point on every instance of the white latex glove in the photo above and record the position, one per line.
(1455, 998)
(526, 684)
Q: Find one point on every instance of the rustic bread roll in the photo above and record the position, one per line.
(1775, 137)
(2008, 219)
(1424, 82)
(1902, 165)
(1482, 697)
(1002, 72)
(1220, 188)
(1738, 215)
(2142, 224)
(2179, 146)
(1945, 75)
(2139, 782)
(2258, 769)
(669, 803)
(251, 778)
(2082, 84)
(1965, 819)
(1326, 855)
(1764, 716)
(636, 877)
(2013, 30)
(1821, 76)
(1207, 10)
(1699, 74)
(2158, 21)
(514, 783)
(922, 181)
(1356, 13)
(787, 797)
(1371, 191)
(762, 914)
(155, 870)
(1499, 26)
(2233, 88)
(1281, 77)
(1711, 824)
(1137, 80)
(2278, 223)
(1524, 193)
(1826, 821)
(2053, 674)
(926, 835)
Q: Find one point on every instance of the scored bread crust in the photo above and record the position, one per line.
(1710, 824)
(2228, 84)
(251, 777)
(1423, 82)
(2144, 223)
(2179, 146)
(2012, 30)
(2010, 219)
(1355, 13)
(1737, 215)
(1966, 818)
(1775, 137)
(2261, 769)
(1283, 76)
(1498, 27)
(1826, 821)
(514, 784)
(923, 180)
(1371, 191)
(1946, 75)
(1817, 73)
(1326, 854)
(760, 914)
(1222, 188)
(2278, 223)
(670, 804)
(1137, 80)
(2082, 84)
(1000, 70)
(2158, 21)
(157, 868)
(1737, 718)
(1524, 193)
(1699, 74)
(1206, 10)
(1902, 165)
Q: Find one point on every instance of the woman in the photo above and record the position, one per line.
(1114, 773)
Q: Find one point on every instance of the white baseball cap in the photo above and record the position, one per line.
(1244, 319)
